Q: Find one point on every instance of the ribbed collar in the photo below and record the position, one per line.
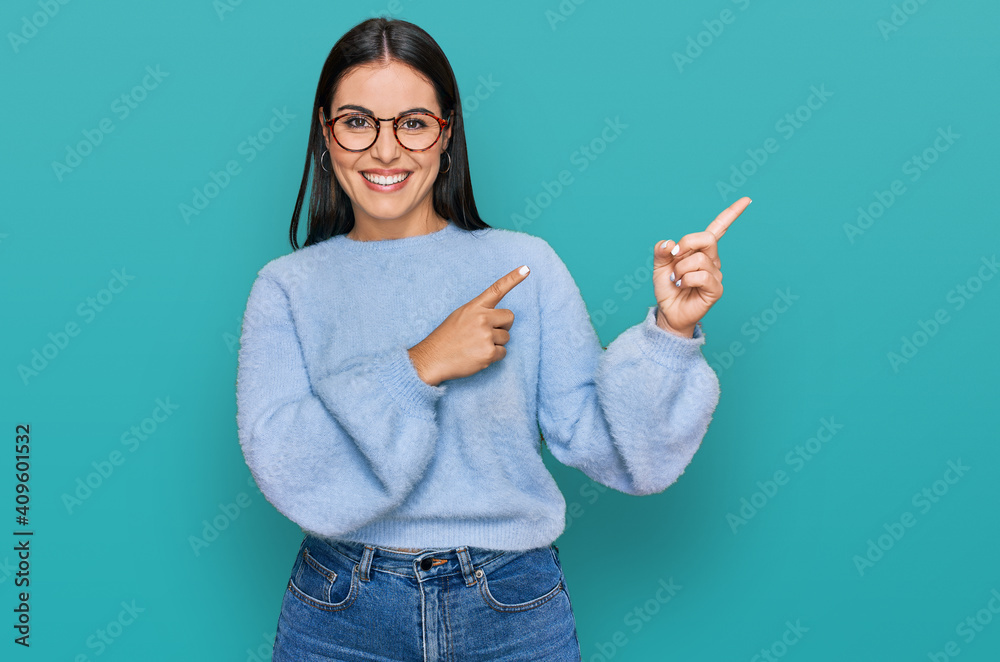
(342, 241)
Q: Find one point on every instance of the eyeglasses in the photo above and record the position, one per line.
(416, 132)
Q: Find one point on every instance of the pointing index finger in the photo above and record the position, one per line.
(492, 295)
(722, 222)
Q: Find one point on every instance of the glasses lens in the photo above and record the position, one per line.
(418, 131)
(355, 131)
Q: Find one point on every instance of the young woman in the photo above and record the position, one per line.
(389, 406)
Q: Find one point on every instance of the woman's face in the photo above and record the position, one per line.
(386, 91)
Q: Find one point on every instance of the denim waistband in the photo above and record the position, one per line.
(436, 560)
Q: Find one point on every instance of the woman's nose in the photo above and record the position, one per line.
(385, 148)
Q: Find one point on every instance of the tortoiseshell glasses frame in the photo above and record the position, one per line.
(377, 122)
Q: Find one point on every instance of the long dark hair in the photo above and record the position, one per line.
(381, 39)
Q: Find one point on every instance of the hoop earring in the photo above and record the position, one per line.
(325, 151)
(449, 164)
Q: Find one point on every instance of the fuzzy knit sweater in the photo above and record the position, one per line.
(344, 438)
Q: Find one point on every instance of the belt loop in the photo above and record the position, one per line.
(465, 560)
(366, 561)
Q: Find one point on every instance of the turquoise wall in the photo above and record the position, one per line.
(843, 503)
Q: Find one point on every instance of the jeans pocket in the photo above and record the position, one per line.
(323, 579)
(518, 581)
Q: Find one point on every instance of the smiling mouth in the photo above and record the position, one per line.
(385, 181)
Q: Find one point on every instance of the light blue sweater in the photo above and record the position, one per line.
(344, 438)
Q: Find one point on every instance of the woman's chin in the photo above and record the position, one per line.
(385, 212)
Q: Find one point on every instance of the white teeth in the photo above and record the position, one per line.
(385, 181)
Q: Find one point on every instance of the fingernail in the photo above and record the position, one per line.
(671, 276)
(678, 283)
(663, 244)
(674, 250)
(523, 270)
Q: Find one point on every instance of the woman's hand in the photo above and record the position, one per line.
(471, 338)
(687, 275)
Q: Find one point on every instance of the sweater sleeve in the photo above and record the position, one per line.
(630, 417)
(334, 453)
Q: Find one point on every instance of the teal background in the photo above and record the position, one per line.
(172, 332)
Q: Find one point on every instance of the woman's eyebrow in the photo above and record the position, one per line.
(362, 109)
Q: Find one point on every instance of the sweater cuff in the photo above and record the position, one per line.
(412, 394)
(669, 349)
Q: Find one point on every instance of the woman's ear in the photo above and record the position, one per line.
(321, 115)
(447, 132)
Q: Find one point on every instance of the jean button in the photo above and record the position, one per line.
(426, 563)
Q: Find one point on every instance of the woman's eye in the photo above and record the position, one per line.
(414, 124)
(357, 122)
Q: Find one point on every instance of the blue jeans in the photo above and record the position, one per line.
(349, 601)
